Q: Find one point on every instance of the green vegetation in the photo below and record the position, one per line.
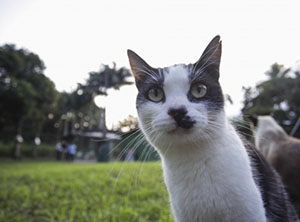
(279, 95)
(32, 108)
(27, 95)
(50, 191)
(43, 151)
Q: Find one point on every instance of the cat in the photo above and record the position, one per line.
(209, 173)
(281, 151)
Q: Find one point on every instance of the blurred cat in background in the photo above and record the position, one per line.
(281, 151)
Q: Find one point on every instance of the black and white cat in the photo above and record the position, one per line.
(209, 173)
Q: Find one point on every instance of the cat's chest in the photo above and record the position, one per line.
(208, 188)
(202, 182)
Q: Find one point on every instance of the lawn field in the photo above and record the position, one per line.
(52, 191)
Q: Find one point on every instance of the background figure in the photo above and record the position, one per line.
(71, 151)
(17, 149)
(64, 146)
(281, 151)
(59, 150)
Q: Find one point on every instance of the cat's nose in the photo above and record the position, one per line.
(177, 113)
(181, 118)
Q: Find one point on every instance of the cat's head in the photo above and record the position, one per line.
(266, 130)
(180, 104)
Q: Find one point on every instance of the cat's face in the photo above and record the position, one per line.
(181, 104)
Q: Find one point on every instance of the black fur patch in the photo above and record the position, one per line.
(214, 99)
(276, 201)
(148, 83)
(214, 95)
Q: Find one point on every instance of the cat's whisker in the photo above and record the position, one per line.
(137, 141)
(125, 149)
(132, 140)
(168, 148)
(123, 141)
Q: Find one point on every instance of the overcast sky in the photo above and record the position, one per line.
(75, 37)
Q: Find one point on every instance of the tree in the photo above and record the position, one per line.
(107, 77)
(27, 95)
(16, 103)
(128, 124)
(98, 83)
(81, 100)
(19, 63)
(279, 95)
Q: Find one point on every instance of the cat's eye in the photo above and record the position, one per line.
(198, 90)
(156, 95)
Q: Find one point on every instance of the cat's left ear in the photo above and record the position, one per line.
(139, 67)
(211, 58)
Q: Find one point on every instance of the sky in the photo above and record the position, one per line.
(75, 37)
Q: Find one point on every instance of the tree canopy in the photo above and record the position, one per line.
(279, 95)
(26, 94)
(30, 104)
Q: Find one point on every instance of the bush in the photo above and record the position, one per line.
(44, 150)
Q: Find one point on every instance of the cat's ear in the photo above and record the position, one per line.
(139, 67)
(253, 119)
(211, 57)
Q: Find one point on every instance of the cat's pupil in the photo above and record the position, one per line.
(199, 88)
(155, 95)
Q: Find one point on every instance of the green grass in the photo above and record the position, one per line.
(51, 191)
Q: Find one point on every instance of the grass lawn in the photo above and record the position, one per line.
(52, 191)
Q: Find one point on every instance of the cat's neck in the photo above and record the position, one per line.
(209, 179)
(224, 143)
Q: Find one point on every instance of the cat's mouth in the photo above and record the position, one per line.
(183, 126)
(181, 130)
(185, 123)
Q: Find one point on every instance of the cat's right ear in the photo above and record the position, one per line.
(211, 57)
(253, 119)
(139, 67)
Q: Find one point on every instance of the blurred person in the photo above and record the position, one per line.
(59, 151)
(17, 149)
(71, 151)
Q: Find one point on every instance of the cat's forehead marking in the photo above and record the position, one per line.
(176, 78)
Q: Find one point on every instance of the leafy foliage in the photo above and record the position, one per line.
(30, 104)
(279, 96)
(79, 106)
(98, 83)
(128, 124)
(107, 77)
(26, 94)
(44, 150)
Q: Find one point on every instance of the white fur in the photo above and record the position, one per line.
(267, 133)
(206, 169)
